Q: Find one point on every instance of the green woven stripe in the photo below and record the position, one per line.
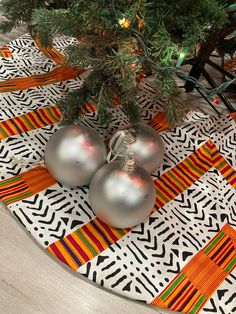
(18, 198)
(206, 149)
(193, 167)
(217, 239)
(3, 132)
(231, 265)
(10, 89)
(10, 181)
(28, 121)
(86, 242)
(120, 231)
(176, 179)
(49, 111)
(162, 195)
(198, 305)
(172, 287)
(90, 100)
(224, 162)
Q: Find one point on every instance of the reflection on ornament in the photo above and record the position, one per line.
(122, 194)
(143, 141)
(73, 154)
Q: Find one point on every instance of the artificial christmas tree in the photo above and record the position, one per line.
(20, 11)
(119, 39)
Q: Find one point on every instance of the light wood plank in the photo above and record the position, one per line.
(31, 282)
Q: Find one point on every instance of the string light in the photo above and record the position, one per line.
(140, 22)
(216, 101)
(180, 60)
(232, 8)
(125, 23)
(182, 75)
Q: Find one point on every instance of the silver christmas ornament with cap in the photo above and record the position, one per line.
(122, 194)
(141, 139)
(73, 155)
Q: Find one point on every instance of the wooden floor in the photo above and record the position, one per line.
(31, 282)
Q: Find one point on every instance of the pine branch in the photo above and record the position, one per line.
(18, 12)
(175, 109)
(158, 29)
(71, 105)
(49, 23)
(105, 102)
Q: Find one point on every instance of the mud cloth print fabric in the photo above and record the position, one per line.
(183, 256)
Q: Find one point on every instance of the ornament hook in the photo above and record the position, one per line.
(129, 137)
(129, 164)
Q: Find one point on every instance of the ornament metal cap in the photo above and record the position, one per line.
(129, 164)
(129, 137)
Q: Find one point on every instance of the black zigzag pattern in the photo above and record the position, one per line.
(161, 246)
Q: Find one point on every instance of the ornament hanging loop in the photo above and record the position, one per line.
(118, 145)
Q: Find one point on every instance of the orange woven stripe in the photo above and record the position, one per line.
(159, 303)
(220, 163)
(116, 233)
(198, 163)
(51, 251)
(204, 274)
(167, 189)
(159, 122)
(230, 65)
(12, 126)
(177, 290)
(5, 52)
(82, 245)
(38, 179)
(233, 115)
(93, 245)
(103, 230)
(13, 191)
(193, 301)
(51, 52)
(186, 294)
(67, 256)
(215, 248)
(97, 235)
(79, 256)
(230, 258)
(74, 251)
(230, 232)
(61, 73)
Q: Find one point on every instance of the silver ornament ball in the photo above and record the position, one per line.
(146, 144)
(122, 195)
(73, 155)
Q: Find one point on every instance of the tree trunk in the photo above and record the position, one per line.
(204, 54)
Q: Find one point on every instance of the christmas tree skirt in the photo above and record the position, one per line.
(183, 256)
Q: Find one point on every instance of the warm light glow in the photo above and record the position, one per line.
(125, 23)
